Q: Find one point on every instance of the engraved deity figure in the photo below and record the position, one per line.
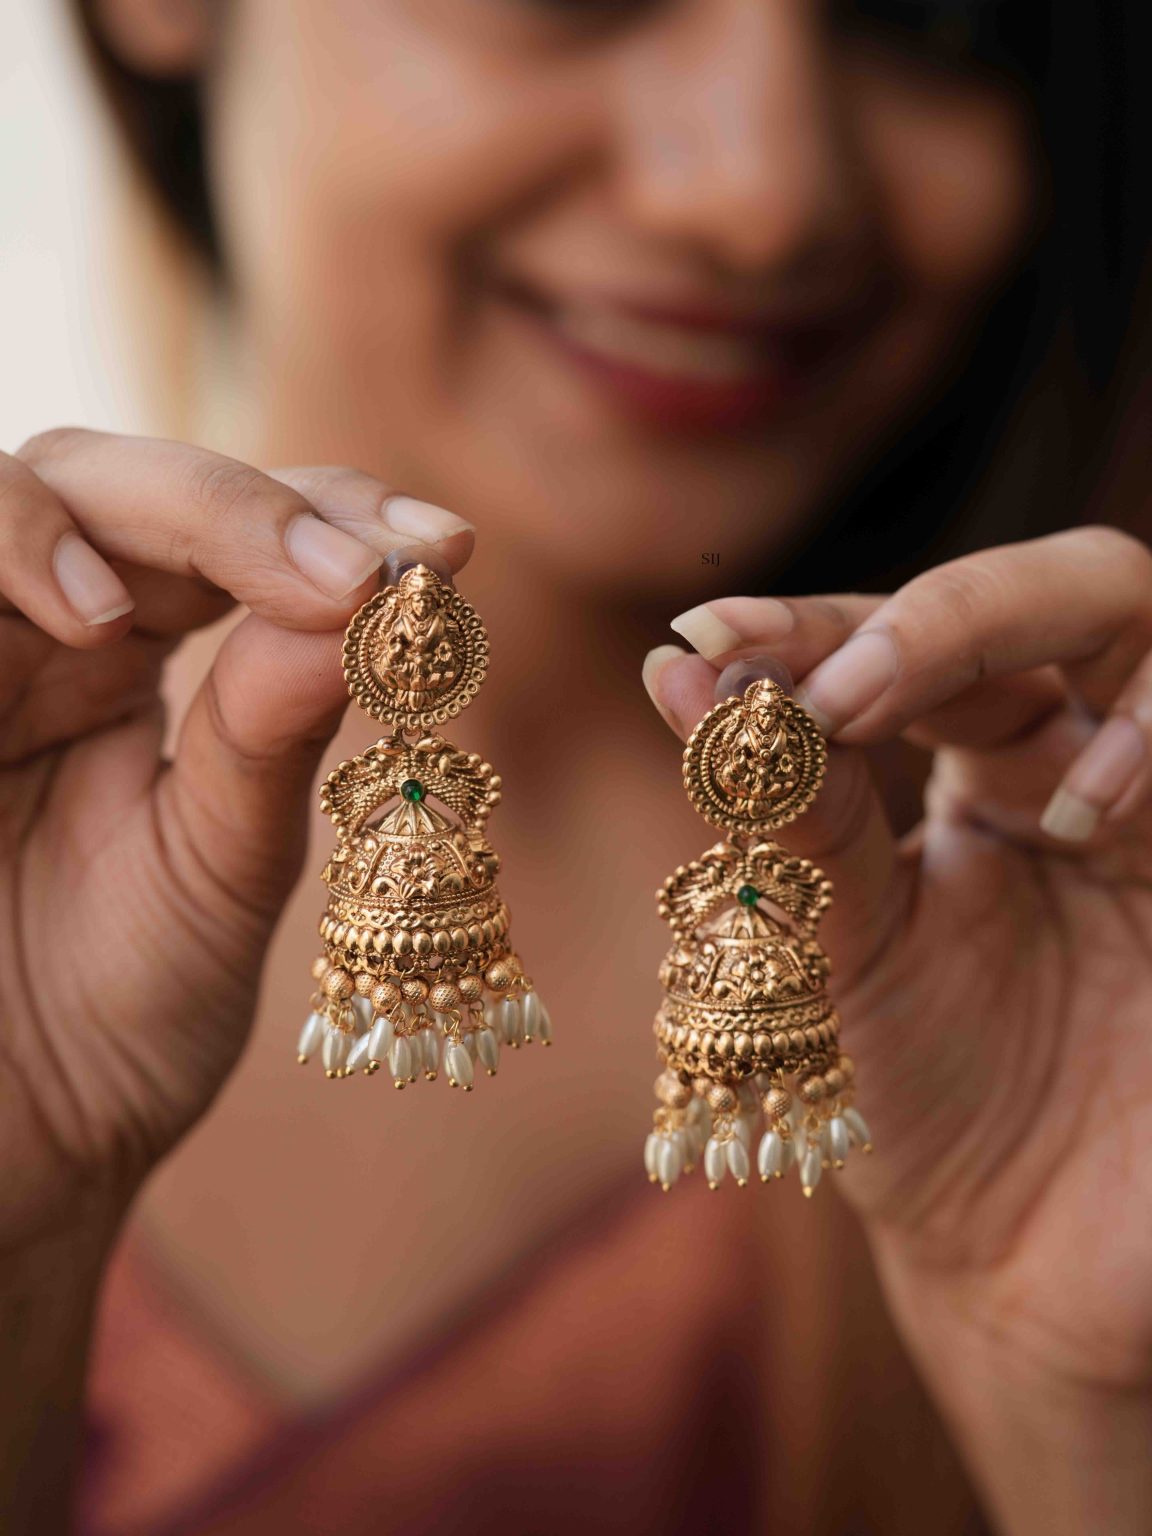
(754, 761)
(417, 661)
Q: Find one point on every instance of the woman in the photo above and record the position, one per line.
(664, 302)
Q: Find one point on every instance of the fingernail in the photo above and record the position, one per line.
(333, 561)
(851, 679)
(90, 586)
(737, 675)
(422, 520)
(708, 634)
(654, 663)
(1096, 780)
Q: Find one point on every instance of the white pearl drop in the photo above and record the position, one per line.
(811, 1167)
(488, 1050)
(530, 1013)
(358, 1055)
(651, 1155)
(738, 1161)
(742, 1125)
(380, 1039)
(669, 1161)
(770, 1158)
(715, 1160)
(362, 1008)
(838, 1139)
(311, 1035)
(400, 1060)
(430, 1044)
(458, 1065)
(788, 1157)
(857, 1127)
(336, 1048)
(511, 1024)
(544, 1026)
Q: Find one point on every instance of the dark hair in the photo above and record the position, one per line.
(1045, 367)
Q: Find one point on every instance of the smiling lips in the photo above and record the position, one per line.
(689, 367)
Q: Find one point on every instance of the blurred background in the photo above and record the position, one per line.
(65, 346)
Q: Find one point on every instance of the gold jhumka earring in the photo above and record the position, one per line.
(417, 972)
(746, 1024)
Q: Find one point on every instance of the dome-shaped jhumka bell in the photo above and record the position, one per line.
(417, 972)
(747, 1031)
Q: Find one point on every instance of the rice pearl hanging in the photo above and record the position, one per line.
(858, 1131)
(380, 1039)
(838, 1140)
(715, 1161)
(337, 1046)
(488, 1050)
(670, 1163)
(737, 1157)
(400, 1061)
(652, 1156)
(811, 1167)
(358, 1055)
(511, 1023)
(310, 1037)
(458, 1065)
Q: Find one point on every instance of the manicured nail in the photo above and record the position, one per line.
(654, 663)
(1096, 780)
(851, 679)
(333, 561)
(708, 634)
(90, 586)
(737, 675)
(422, 520)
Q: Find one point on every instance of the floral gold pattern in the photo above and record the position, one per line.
(747, 1027)
(417, 972)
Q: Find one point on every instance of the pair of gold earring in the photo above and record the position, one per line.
(418, 973)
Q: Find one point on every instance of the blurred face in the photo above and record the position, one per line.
(625, 282)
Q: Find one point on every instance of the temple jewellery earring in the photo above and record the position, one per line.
(417, 971)
(746, 1023)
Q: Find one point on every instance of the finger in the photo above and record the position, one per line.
(845, 830)
(1109, 781)
(179, 509)
(356, 503)
(49, 570)
(1080, 598)
(383, 519)
(805, 629)
(232, 802)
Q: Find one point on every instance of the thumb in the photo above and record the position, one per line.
(234, 799)
(845, 830)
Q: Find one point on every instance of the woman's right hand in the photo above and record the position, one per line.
(137, 894)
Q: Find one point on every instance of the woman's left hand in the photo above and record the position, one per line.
(993, 973)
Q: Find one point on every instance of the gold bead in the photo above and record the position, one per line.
(671, 1091)
(812, 1089)
(777, 1102)
(338, 984)
(701, 1085)
(721, 1098)
(471, 988)
(500, 975)
(320, 968)
(385, 995)
(848, 1067)
(444, 996)
(835, 1079)
(414, 990)
(365, 981)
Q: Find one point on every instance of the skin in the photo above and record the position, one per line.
(845, 168)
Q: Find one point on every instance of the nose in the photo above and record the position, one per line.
(729, 133)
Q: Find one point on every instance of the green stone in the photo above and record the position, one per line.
(412, 789)
(747, 895)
